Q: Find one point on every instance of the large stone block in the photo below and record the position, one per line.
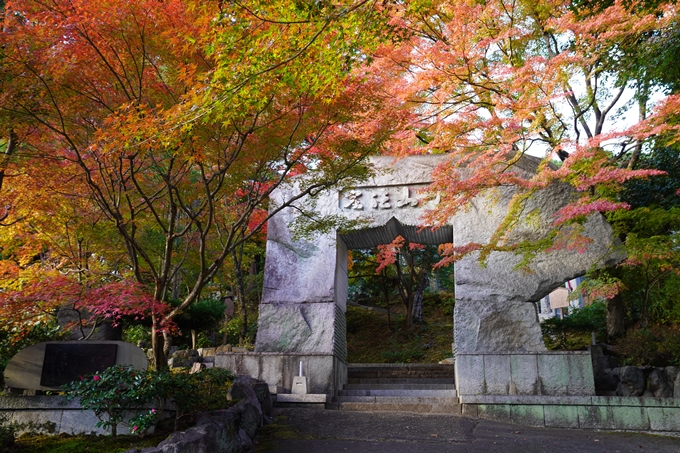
(495, 326)
(524, 369)
(581, 377)
(561, 416)
(488, 295)
(528, 415)
(296, 328)
(553, 370)
(499, 412)
(278, 369)
(596, 417)
(630, 418)
(664, 419)
(469, 369)
(497, 374)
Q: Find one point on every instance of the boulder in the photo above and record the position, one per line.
(186, 354)
(206, 352)
(197, 367)
(671, 373)
(202, 438)
(223, 348)
(658, 384)
(251, 416)
(632, 381)
(184, 358)
(676, 387)
(257, 392)
(608, 381)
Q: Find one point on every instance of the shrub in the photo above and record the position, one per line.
(111, 393)
(573, 332)
(122, 390)
(656, 346)
(7, 432)
(203, 391)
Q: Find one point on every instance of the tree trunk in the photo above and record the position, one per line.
(418, 299)
(386, 295)
(240, 294)
(409, 310)
(167, 344)
(643, 96)
(615, 318)
(157, 346)
(193, 338)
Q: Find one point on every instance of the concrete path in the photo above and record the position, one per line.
(301, 430)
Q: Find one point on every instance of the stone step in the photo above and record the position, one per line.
(399, 365)
(399, 381)
(432, 369)
(399, 375)
(397, 404)
(429, 393)
(416, 386)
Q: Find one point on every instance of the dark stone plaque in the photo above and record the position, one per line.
(67, 362)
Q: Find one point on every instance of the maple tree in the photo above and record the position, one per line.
(401, 267)
(174, 121)
(144, 139)
(487, 82)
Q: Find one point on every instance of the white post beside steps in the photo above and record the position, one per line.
(299, 383)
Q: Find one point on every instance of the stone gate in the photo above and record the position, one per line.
(302, 311)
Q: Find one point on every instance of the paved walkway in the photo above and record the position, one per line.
(299, 430)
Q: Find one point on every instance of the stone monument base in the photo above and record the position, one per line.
(554, 373)
(325, 373)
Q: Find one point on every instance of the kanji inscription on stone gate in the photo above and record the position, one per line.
(382, 198)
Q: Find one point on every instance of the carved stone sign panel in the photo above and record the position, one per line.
(49, 365)
(68, 362)
(383, 198)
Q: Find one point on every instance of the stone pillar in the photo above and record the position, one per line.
(495, 303)
(299, 306)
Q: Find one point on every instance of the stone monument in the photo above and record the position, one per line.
(302, 311)
(49, 365)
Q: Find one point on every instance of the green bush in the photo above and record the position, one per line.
(233, 330)
(191, 393)
(656, 346)
(120, 391)
(112, 393)
(7, 432)
(574, 331)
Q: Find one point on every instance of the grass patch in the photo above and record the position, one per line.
(64, 443)
(268, 437)
(370, 341)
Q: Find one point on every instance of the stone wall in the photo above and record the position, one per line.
(52, 415)
(555, 373)
(657, 415)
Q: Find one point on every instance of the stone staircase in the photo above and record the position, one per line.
(423, 388)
